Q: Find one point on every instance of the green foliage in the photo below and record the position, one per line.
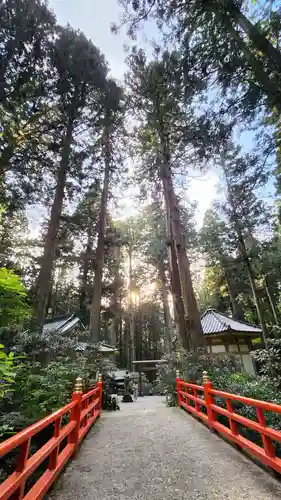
(8, 370)
(44, 380)
(45, 377)
(232, 242)
(221, 40)
(262, 388)
(41, 389)
(226, 286)
(191, 366)
(23, 97)
(213, 292)
(269, 359)
(14, 308)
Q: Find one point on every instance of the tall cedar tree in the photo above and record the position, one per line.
(219, 36)
(158, 99)
(112, 119)
(80, 77)
(27, 29)
(76, 241)
(246, 213)
(115, 302)
(152, 243)
(218, 244)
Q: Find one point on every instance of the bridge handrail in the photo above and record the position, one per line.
(194, 397)
(83, 411)
(30, 431)
(258, 403)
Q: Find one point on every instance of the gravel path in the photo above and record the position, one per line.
(150, 452)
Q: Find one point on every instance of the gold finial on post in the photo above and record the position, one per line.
(78, 385)
(99, 377)
(177, 374)
(205, 377)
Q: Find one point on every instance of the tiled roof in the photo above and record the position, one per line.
(119, 374)
(103, 347)
(62, 324)
(70, 325)
(100, 347)
(214, 322)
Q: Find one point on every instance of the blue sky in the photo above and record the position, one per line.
(94, 18)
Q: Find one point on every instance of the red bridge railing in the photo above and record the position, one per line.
(81, 413)
(195, 398)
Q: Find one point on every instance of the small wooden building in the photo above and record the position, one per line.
(71, 325)
(105, 350)
(68, 323)
(226, 335)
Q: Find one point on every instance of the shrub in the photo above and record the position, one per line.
(191, 366)
(14, 306)
(269, 360)
(45, 377)
(7, 370)
(43, 382)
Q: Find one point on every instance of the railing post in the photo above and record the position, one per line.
(232, 424)
(76, 411)
(100, 392)
(209, 400)
(178, 387)
(54, 455)
(266, 440)
(196, 404)
(21, 464)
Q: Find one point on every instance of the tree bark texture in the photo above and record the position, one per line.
(271, 89)
(257, 38)
(165, 300)
(116, 297)
(51, 241)
(99, 259)
(176, 290)
(271, 302)
(131, 310)
(192, 315)
(237, 311)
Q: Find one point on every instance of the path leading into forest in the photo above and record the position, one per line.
(150, 452)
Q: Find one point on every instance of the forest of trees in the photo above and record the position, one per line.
(72, 139)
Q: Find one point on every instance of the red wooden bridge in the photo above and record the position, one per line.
(148, 450)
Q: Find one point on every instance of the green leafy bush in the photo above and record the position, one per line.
(39, 390)
(7, 370)
(191, 366)
(45, 376)
(269, 360)
(13, 299)
(43, 382)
